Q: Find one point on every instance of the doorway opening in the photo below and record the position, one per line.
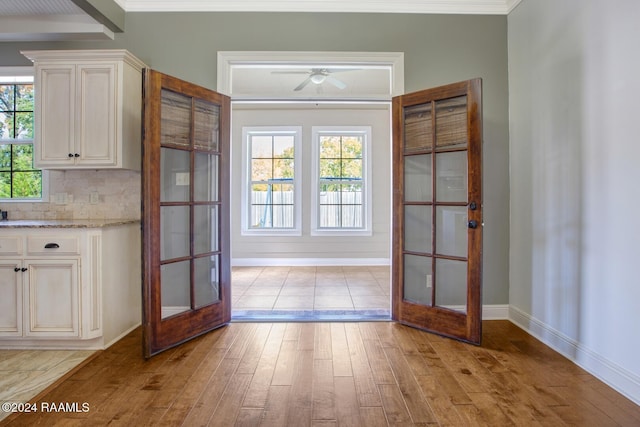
(312, 293)
(309, 275)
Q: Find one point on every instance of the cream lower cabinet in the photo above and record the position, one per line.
(52, 296)
(68, 288)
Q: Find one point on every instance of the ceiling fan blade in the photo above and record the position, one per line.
(337, 83)
(340, 70)
(289, 72)
(303, 84)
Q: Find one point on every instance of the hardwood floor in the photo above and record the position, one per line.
(336, 374)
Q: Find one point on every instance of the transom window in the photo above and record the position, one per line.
(271, 180)
(19, 179)
(341, 193)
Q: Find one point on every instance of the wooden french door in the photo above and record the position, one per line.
(185, 211)
(437, 210)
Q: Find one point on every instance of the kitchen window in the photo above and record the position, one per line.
(271, 181)
(19, 179)
(341, 189)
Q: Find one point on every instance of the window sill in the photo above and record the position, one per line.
(23, 200)
(270, 233)
(339, 232)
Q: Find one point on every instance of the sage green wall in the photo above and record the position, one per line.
(438, 49)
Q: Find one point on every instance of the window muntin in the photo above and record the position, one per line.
(272, 200)
(19, 179)
(342, 197)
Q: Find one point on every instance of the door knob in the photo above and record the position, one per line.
(473, 224)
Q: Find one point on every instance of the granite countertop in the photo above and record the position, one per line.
(65, 223)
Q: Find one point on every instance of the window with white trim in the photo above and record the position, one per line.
(341, 187)
(271, 180)
(19, 179)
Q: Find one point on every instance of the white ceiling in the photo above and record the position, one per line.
(29, 20)
(39, 7)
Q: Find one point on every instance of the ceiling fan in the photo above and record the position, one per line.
(318, 76)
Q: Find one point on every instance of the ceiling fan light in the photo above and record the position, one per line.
(317, 78)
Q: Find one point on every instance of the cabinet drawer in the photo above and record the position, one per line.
(53, 245)
(10, 245)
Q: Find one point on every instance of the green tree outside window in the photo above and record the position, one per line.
(18, 177)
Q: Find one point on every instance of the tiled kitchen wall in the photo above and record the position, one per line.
(119, 195)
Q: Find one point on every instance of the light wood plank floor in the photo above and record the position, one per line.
(337, 374)
(335, 292)
(25, 373)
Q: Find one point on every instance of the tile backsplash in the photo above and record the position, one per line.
(118, 191)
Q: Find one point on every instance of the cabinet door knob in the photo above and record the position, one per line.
(16, 269)
(76, 155)
(51, 246)
(70, 154)
(24, 269)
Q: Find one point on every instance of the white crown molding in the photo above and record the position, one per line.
(63, 56)
(476, 7)
(512, 4)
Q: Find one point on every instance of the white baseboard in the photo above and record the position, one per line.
(307, 262)
(610, 373)
(495, 312)
(122, 335)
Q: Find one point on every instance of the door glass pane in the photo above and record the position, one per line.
(205, 226)
(206, 125)
(417, 279)
(417, 178)
(206, 271)
(417, 228)
(174, 232)
(418, 130)
(174, 175)
(205, 179)
(175, 118)
(451, 284)
(175, 279)
(451, 122)
(451, 230)
(451, 173)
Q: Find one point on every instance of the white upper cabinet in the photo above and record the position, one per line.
(87, 109)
